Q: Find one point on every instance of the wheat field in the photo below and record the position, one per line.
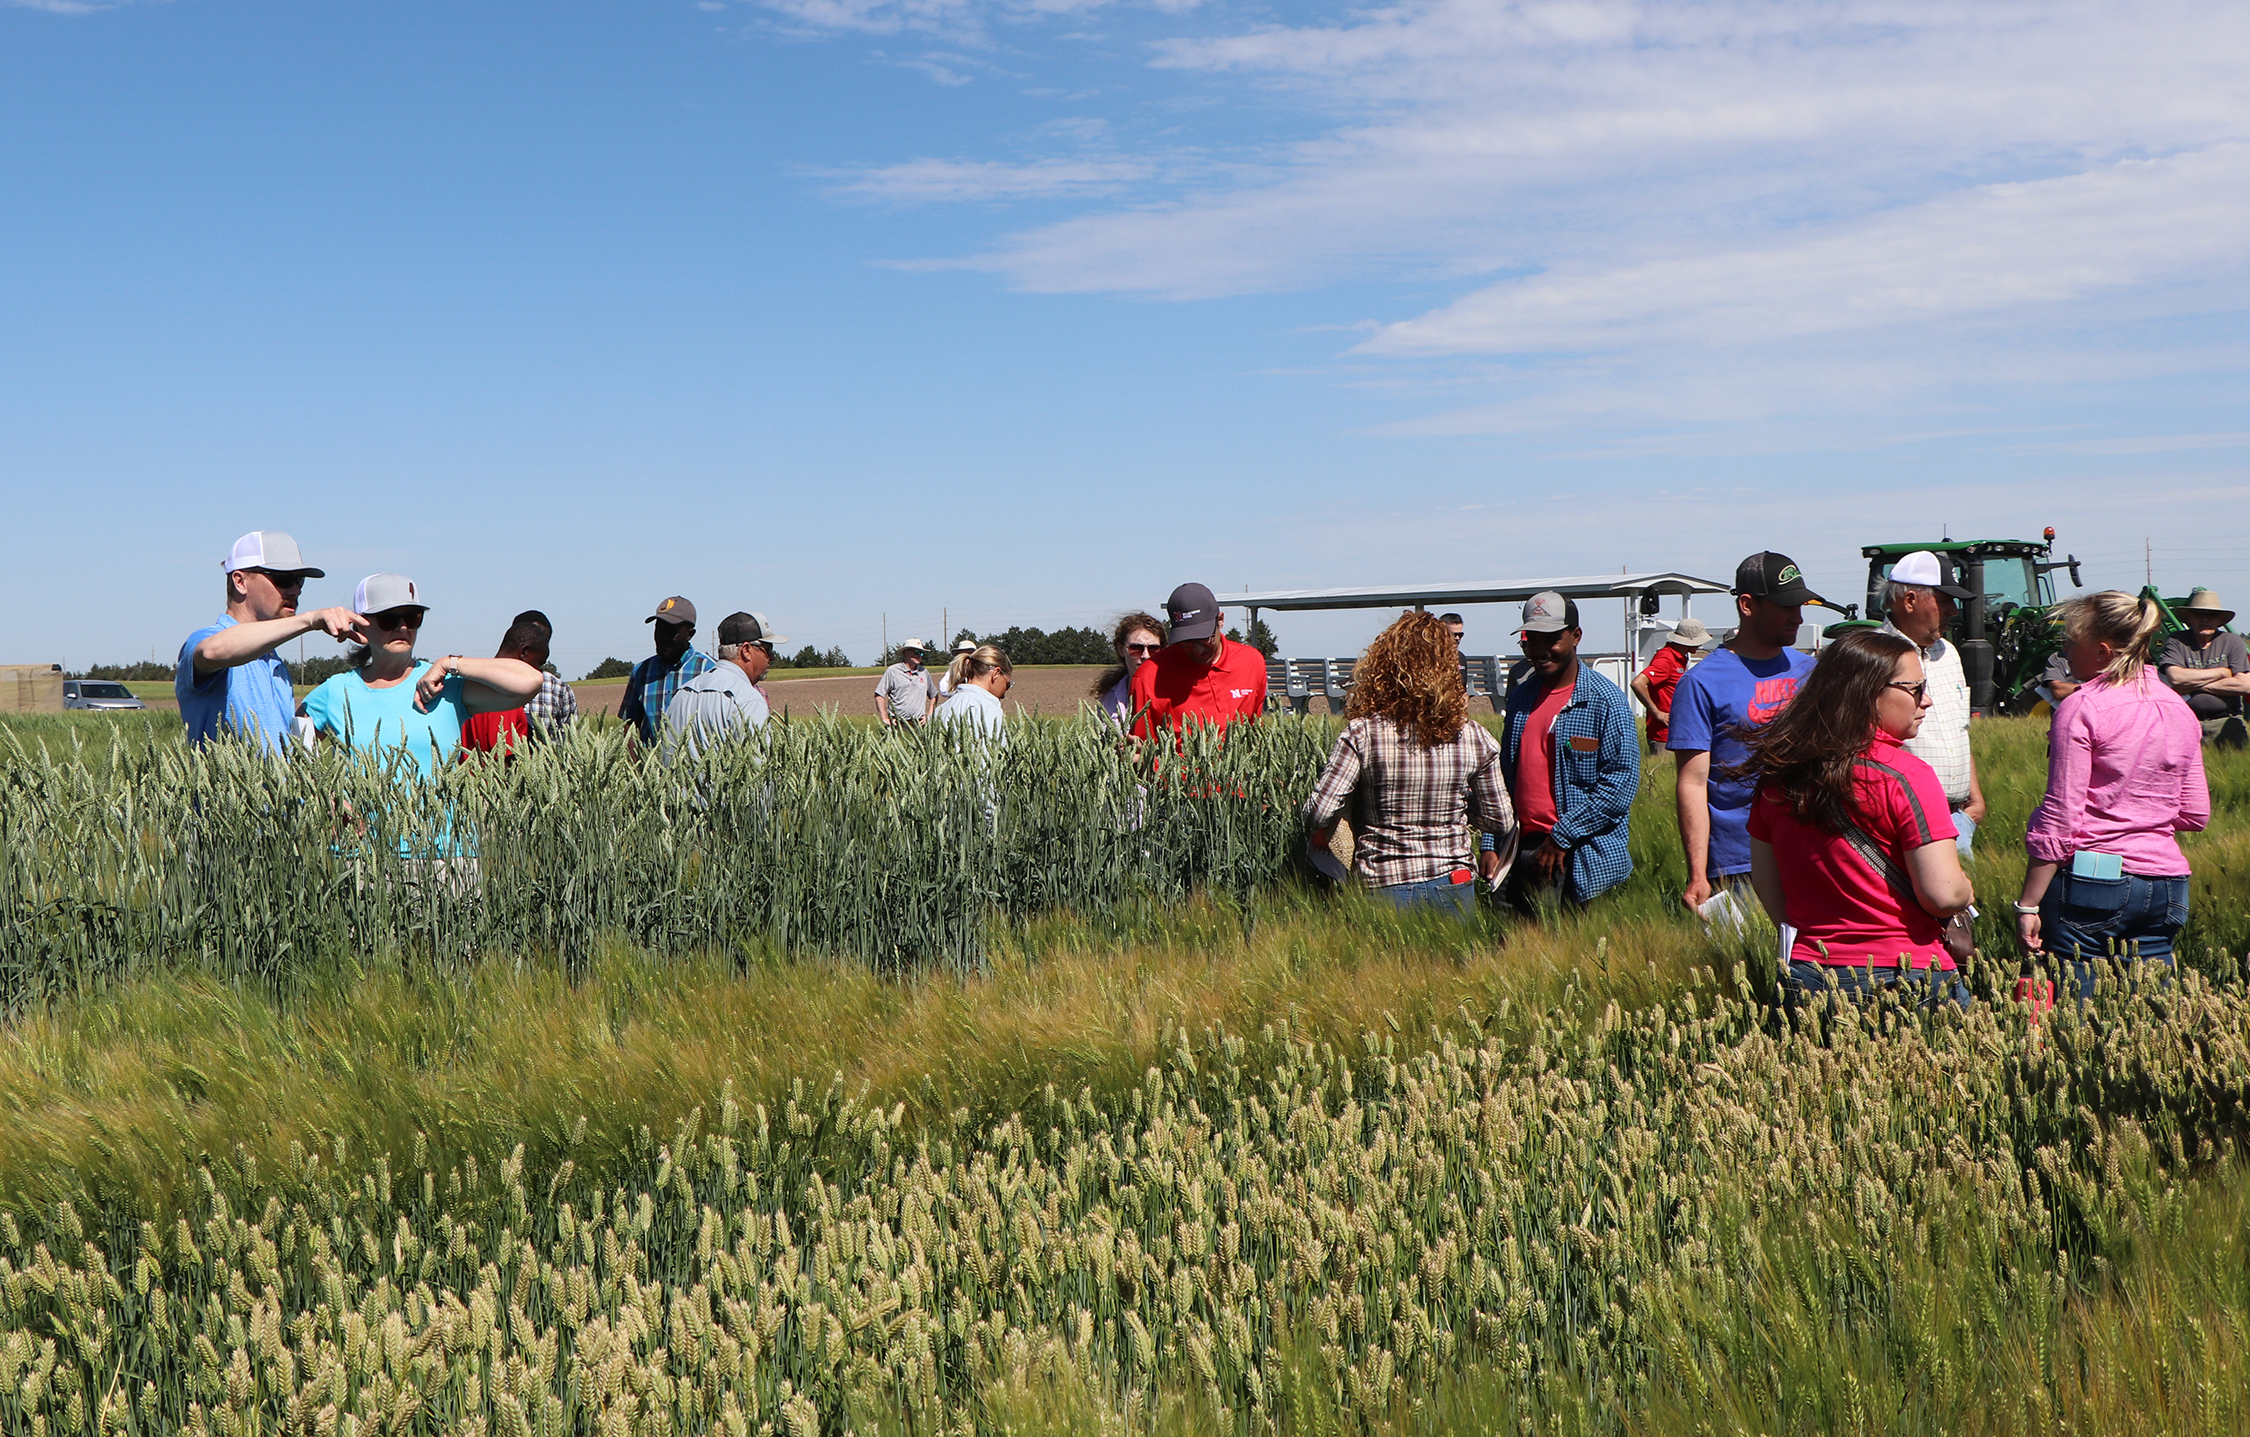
(843, 1084)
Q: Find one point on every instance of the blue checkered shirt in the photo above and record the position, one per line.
(1593, 789)
(649, 691)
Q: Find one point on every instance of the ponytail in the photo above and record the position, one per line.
(2127, 622)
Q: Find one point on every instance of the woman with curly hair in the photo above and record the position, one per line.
(1137, 638)
(1413, 771)
(1851, 841)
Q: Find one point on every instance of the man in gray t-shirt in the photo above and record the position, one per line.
(903, 693)
(2209, 668)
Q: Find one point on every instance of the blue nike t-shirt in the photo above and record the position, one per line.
(1723, 694)
(252, 699)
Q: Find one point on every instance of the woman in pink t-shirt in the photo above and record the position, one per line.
(1851, 841)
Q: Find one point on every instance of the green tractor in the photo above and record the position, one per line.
(2006, 629)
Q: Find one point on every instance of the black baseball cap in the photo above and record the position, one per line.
(748, 626)
(1194, 614)
(1776, 579)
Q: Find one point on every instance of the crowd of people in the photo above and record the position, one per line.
(1839, 792)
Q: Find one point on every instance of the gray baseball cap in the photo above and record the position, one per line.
(674, 610)
(379, 592)
(271, 550)
(1548, 612)
(747, 626)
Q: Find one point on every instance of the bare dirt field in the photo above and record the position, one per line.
(1054, 691)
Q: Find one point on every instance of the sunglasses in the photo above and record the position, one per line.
(1918, 688)
(397, 619)
(1147, 650)
(281, 579)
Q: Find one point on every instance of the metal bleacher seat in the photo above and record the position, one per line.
(1306, 677)
(1337, 682)
(1485, 676)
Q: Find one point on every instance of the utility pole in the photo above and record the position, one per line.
(2148, 563)
(886, 654)
(945, 627)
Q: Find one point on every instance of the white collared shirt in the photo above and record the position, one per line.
(1943, 742)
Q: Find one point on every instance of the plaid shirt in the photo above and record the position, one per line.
(1411, 807)
(1594, 780)
(1943, 742)
(553, 707)
(651, 687)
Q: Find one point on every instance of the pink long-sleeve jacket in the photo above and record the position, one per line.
(2124, 773)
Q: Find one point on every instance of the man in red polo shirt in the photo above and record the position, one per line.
(1202, 676)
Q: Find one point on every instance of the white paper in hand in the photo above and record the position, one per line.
(1722, 912)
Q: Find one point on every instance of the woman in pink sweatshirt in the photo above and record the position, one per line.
(2124, 774)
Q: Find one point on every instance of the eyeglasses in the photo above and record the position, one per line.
(1146, 650)
(397, 619)
(281, 579)
(1918, 688)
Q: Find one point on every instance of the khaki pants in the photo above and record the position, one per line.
(2228, 732)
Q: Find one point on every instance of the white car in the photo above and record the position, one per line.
(98, 694)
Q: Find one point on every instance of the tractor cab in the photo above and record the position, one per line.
(2004, 630)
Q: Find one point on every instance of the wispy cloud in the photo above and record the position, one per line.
(1994, 247)
(922, 181)
(1851, 199)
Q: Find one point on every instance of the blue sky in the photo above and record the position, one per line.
(862, 311)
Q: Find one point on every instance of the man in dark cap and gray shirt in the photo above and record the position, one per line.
(725, 697)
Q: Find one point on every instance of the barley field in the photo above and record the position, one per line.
(865, 1082)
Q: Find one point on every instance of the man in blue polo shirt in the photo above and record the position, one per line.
(1746, 682)
(228, 679)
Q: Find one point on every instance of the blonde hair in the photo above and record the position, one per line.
(979, 662)
(2113, 617)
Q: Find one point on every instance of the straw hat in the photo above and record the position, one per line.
(2203, 601)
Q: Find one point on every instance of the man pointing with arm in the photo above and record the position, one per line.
(228, 679)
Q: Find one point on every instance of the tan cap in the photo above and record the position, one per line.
(1691, 633)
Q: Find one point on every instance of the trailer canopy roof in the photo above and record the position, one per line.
(1604, 586)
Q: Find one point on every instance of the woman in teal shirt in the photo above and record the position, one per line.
(389, 699)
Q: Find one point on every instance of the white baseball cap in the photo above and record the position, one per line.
(271, 550)
(1924, 570)
(380, 592)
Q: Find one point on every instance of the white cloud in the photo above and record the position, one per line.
(1467, 137)
(919, 181)
(1996, 247)
(1859, 202)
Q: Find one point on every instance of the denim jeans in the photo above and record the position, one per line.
(1929, 986)
(2122, 919)
(1439, 892)
(1964, 832)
